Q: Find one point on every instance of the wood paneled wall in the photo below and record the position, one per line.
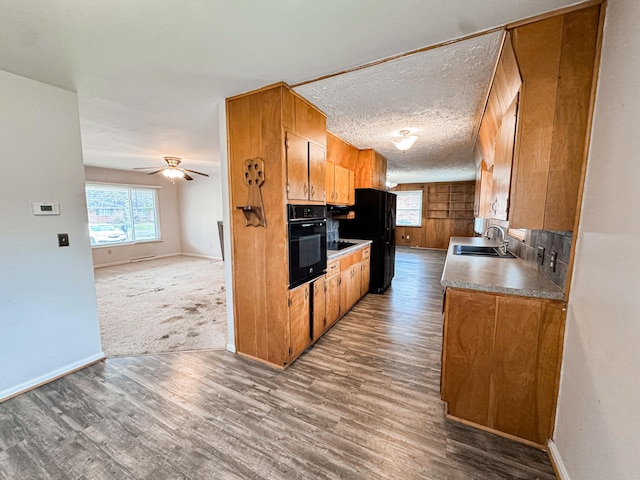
(435, 232)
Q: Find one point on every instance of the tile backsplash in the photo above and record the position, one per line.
(559, 242)
(332, 230)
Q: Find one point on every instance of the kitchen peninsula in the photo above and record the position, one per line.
(502, 344)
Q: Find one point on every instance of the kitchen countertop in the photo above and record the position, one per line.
(510, 276)
(331, 254)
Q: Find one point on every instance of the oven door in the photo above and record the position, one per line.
(307, 251)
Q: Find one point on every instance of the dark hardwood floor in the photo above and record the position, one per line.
(363, 403)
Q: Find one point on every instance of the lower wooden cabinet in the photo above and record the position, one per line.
(332, 297)
(299, 320)
(319, 307)
(501, 362)
(365, 268)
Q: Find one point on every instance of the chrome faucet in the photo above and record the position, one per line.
(503, 242)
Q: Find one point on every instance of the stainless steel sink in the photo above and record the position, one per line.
(480, 251)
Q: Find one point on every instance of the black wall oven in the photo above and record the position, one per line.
(307, 243)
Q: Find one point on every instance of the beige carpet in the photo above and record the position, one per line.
(163, 305)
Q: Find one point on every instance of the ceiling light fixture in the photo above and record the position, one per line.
(172, 173)
(405, 141)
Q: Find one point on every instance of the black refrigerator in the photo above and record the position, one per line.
(375, 220)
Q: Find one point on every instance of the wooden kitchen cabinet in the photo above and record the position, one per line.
(339, 185)
(371, 170)
(305, 169)
(503, 161)
(557, 59)
(319, 307)
(299, 320)
(365, 269)
(501, 362)
(259, 124)
(340, 177)
(332, 298)
(351, 280)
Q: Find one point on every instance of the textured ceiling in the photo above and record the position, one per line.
(438, 95)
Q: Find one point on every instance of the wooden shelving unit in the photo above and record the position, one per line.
(453, 200)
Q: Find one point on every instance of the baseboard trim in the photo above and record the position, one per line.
(50, 377)
(136, 260)
(197, 255)
(231, 348)
(556, 461)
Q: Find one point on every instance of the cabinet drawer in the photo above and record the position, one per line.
(333, 267)
(351, 259)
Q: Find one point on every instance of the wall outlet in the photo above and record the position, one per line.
(408, 237)
(552, 261)
(540, 255)
(63, 239)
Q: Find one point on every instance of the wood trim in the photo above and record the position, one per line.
(592, 101)
(339, 138)
(488, 94)
(553, 13)
(53, 379)
(397, 56)
(275, 366)
(496, 432)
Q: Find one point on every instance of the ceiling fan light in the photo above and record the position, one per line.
(405, 141)
(172, 173)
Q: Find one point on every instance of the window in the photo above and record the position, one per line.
(409, 208)
(122, 214)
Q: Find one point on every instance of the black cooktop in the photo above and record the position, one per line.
(339, 245)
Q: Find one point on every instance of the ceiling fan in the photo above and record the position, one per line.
(172, 170)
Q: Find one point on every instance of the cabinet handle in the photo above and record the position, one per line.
(305, 188)
(313, 192)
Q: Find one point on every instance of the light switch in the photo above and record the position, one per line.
(540, 255)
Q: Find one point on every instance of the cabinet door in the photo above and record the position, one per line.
(526, 350)
(317, 172)
(330, 186)
(466, 355)
(505, 141)
(319, 317)
(351, 281)
(365, 267)
(332, 300)
(299, 320)
(341, 185)
(297, 152)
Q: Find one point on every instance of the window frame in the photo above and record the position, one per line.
(130, 189)
(406, 193)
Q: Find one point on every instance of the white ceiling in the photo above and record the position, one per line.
(150, 73)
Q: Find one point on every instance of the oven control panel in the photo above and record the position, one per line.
(306, 212)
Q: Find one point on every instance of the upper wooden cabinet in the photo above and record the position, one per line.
(340, 178)
(305, 169)
(496, 137)
(371, 170)
(557, 57)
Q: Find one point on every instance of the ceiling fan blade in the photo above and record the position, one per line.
(143, 168)
(157, 171)
(193, 171)
(187, 177)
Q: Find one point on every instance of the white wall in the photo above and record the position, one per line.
(598, 423)
(48, 313)
(200, 210)
(170, 223)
